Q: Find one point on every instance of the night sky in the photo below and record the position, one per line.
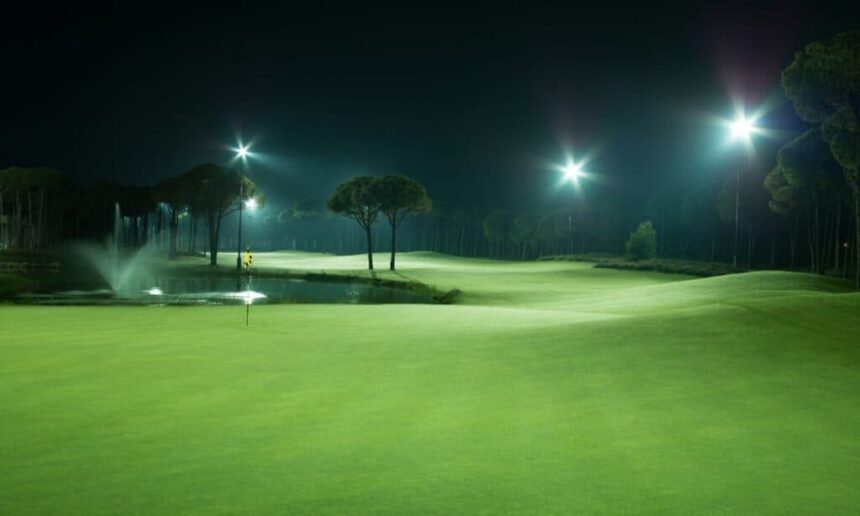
(478, 103)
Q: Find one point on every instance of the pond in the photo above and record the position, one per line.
(216, 290)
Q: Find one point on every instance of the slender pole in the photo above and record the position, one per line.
(239, 249)
(737, 213)
(248, 301)
(570, 223)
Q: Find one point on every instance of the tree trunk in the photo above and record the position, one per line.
(793, 243)
(856, 191)
(39, 219)
(393, 242)
(810, 241)
(214, 225)
(174, 232)
(824, 238)
(773, 250)
(30, 226)
(159, 228)
(194, 234)
(750, 246)
(836, 236)
(190, 247)
(3, 227)
(16, 234)
(369, 234)
(819, 268)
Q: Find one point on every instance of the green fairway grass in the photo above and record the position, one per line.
(549, 387)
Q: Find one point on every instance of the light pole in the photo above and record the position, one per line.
(242, 155)
(572, 172)
(742, 129)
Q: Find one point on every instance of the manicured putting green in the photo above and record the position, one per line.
(549, 388)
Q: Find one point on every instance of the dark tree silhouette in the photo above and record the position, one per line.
(642, 244)
(823, 83)
(32, 190)
(358, 199)
(398, 197)
(213, 191)
(524, 232)
(807, 177)
(171, 192)
(497, 230)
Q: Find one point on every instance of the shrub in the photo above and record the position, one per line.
(642, 244)
(692, 268)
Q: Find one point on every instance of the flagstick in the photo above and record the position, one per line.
(247, 301)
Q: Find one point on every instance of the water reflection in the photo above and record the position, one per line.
(247, 296)
(224, 290)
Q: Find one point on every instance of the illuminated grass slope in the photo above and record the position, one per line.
(549, 387)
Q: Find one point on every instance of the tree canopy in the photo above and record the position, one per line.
(212, 191)
(398, 197)
(823, 83)
(357, 198)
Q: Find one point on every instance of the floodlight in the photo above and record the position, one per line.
(572, 171)
(742, 127)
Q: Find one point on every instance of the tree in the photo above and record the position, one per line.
(213, 191)
(699, 215)
(306, 208)
(172, 193)
(806, 176)
(136, 202)
(662, 208)
(497, 229)
(642, 244)
(304, 223)
(783, 202)
(823, 83)
(524, 231)
(398, 197)
(32, 189)
(553, 232)
(357, 198)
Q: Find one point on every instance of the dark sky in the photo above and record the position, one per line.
(476, 102)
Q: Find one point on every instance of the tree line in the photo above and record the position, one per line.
(39, 208)
(818, 173)
(802, 211)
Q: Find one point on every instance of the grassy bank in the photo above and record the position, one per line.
(13, 284)
(688, 267)
(551, 387)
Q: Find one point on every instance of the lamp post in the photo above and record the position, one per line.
(242, 155)
(572, 172)
(741, 128)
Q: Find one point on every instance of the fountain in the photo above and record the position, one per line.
(127, 277)
(121, 270)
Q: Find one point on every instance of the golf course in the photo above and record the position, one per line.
(547, 387)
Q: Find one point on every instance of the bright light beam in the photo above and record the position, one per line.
(742, 128)
(242, 151)
(251, 204)
(248, 296)
(572, 171)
